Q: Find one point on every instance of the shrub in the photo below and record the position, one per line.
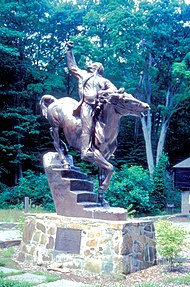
(163, 191)
(31, 185)
(130, 187)
(169, 238)
(159, 193)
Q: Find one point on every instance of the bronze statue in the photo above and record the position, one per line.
(61, 116)
(91, 84)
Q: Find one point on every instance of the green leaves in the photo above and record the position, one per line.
(130, 187)
(32, 185)
(169, 239)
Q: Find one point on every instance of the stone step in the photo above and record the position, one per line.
(85, 196)
(73, 174)
(81, 184)
(89, 205)
(9, 243)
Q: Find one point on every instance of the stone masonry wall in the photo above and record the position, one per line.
(105, 246)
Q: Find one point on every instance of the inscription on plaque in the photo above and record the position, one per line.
(68, 240)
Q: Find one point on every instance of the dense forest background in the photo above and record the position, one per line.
(144, 47)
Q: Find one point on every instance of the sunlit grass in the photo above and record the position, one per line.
(10, 215)
(180, 280)
(13, 215)
(49, 277)
(6, 260)
(9, 283)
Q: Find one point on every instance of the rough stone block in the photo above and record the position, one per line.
(105, 246)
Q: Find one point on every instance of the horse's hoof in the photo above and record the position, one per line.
(102, 201)
(66, 166)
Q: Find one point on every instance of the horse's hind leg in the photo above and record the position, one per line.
(102, 173)
(60, 146)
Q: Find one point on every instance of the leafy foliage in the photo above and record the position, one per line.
(159, 193)
(169, 239)
(130, 187)
(31, 185)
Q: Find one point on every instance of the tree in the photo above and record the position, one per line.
(170, 240)
(146, 46)
(166, 45)
(32, 53)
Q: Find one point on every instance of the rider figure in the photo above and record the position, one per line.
(91, 83)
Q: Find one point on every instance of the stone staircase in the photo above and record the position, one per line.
(73, 193)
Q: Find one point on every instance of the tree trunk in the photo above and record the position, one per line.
(161, 141)
(146, 127)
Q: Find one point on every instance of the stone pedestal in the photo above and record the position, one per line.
(73, 194)
(99, 246)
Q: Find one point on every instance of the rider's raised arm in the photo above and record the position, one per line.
(72, 65)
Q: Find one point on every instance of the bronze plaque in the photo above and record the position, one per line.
(68, 240)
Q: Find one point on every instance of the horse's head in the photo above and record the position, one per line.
(126, 104)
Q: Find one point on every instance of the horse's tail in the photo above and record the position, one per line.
(45, 101)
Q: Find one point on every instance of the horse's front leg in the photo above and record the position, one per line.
(104, 178)
(57, 144)
(104, 182)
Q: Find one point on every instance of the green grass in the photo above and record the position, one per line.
(9, 283)
(2, 275)
(119, 277)
(49, 277)
(6, 258)
(13, 215)
(184, 279)
(7, 253)
(10, 215)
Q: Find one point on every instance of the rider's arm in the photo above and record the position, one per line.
(107, 87)
(72, 65)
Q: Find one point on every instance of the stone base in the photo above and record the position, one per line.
(98, 246)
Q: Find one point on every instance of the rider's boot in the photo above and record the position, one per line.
(85, 147)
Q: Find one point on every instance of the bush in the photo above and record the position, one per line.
(130, 187)
(159, 193)
(163, 191)
(169, 238)
(31, 185)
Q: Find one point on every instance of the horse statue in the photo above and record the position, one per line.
(111, 107)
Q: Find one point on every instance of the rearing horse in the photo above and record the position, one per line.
(59, 113)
